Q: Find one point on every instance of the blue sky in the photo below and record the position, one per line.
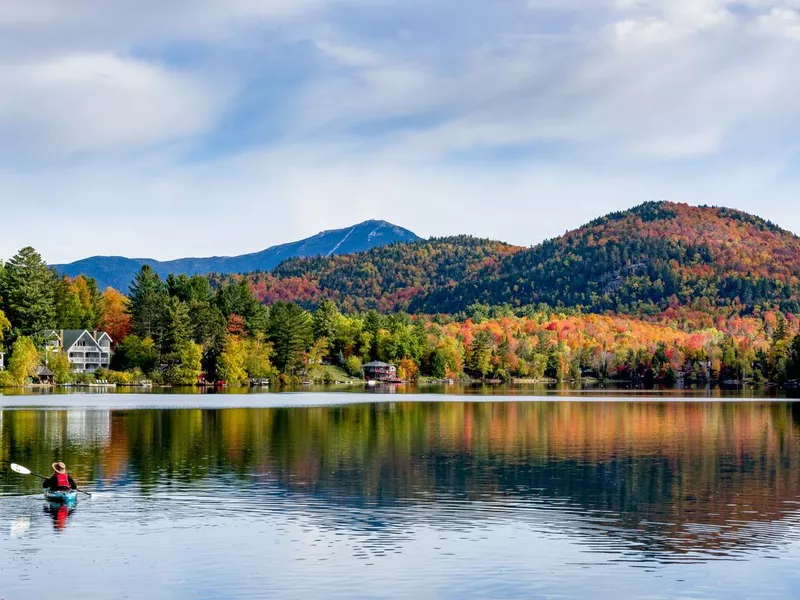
(196, 127)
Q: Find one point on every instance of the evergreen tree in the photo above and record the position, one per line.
(237, 299)
(26, 290)
(146, 304)
(208, 323)
(176, 328)
(325, 320)
(190, 289)
(781, 331)
(794, 359)
(480, 354)
(291, 332)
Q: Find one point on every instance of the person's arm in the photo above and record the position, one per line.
(72, 484)
(50, 482)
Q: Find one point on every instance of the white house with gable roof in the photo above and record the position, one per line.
(86, 350)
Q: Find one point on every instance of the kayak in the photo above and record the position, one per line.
(66, 497)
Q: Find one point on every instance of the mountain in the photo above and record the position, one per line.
(644, 260)
(388, 278)
(118, 272)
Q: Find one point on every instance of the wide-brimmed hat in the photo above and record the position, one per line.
(59, 467)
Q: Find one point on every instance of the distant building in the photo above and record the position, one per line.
(86, 350)
(45, 376)
(379, 371)
(2, 364)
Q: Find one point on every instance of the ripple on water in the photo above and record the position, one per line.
(444, 501)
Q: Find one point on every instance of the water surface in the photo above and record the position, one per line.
(303, 496)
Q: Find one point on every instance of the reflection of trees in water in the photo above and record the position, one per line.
(659, 469)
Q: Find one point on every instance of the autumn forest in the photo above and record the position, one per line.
(660, 293)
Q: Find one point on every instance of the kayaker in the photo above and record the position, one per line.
(60, 480)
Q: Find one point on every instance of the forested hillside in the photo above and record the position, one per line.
(643, 261)
(185, 330)
(387, 279)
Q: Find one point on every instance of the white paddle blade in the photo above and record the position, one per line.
(20, 469)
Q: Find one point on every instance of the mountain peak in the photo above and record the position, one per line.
(118, 272)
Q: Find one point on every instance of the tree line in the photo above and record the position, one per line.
(181, 330)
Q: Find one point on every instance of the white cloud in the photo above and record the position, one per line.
(781, 22)
(84, 103)
(397, 110)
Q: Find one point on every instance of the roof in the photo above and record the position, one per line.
(376, 364)
(73, 335)
(44, 372)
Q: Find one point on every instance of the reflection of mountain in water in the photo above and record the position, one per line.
(669, 478)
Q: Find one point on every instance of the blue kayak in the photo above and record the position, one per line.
(66, 497)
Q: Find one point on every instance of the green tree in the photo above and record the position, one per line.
(190, 289)
(793, 369)
(135, 353)
(26, 289)
(177, 326)
(146, 303)
(325, 320)
(291, 332)
(438, 364)
(480, 354)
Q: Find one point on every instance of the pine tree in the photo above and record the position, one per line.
(480, 354)
(26, 289)
(291, 332)
(146, 304)
(325, 318)
(176, 327)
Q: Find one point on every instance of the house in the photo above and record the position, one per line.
(86, 350)
(379, 371)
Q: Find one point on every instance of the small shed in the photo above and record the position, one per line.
(45, 376)
(379, 371)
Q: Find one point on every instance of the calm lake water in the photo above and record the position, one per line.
(363, 496)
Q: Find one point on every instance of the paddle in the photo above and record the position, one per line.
(25, 471)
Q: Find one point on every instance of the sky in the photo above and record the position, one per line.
(169, 128)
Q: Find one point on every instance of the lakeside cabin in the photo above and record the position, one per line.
(380, 371)
(44, 376)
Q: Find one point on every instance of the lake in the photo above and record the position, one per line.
(372, 496)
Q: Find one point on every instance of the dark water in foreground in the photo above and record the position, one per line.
(421, 499)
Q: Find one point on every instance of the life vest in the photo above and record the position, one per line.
(62, 480)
